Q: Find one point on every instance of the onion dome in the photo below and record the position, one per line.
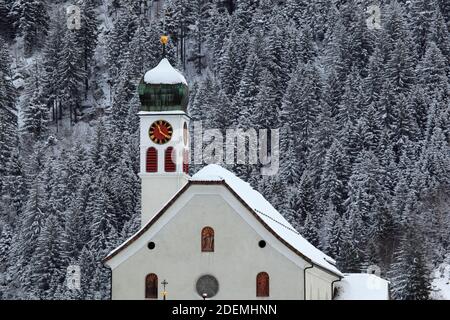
(163, 88)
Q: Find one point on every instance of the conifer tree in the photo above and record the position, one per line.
(15, 187)
(8, 115)
(87, 37)
(295, 10)
(32, 223)
(7, 91)
(36, 118)
(268, 114)
(231, 62)
(52, 55)
(432, 70)
(200, 15)
(333, 182)
(71, 76)
(331, 231)
(245, 98)
(218, 24)
(301, 105)
(125, 89)
(119, 40)
(48, 259)
(98, 144)
(311, 230)
(101, 211)
(290, 166)
(307, 50)
(365, 202)
(241, 18)
(7, 27)
(32, 20)
(5, 245)
(410, 273)
(350, 257)
(375, 72)
(400, 66)
(445, 9)
(435, 163)
(421, 22)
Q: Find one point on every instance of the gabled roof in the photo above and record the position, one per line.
(257, 205)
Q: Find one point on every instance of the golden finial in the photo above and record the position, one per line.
(164, 39)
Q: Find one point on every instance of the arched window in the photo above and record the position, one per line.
(152, 160)
(186, 161)
(169, 160)
(207, 239)
(151, 286)
(262, 284)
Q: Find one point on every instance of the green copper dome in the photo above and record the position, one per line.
(163, 89)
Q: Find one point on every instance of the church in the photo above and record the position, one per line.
(209, 236)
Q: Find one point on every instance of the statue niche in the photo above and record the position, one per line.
(207, 239)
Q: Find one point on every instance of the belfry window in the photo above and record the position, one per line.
(170, 160)
(151, 286)
(152, 160)
(207, 239)
(262, 284)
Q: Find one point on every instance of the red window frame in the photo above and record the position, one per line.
(151, 164)
(170, 160)
(262, 284)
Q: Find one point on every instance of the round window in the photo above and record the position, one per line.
(207, 286)
(262, 244)
(151, 245)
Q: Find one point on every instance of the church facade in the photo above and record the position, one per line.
(209, 236)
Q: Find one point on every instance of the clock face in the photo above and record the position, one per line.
(160, 132)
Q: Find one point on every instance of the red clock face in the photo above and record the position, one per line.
(160, 132)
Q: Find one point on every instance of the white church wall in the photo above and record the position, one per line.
(178, 259)
(157, 190)
(318, 284)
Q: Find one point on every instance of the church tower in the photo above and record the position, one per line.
(164, 139)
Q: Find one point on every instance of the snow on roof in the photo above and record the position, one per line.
(267, 213)
(164, 73)
(168, 112)
(362, 286)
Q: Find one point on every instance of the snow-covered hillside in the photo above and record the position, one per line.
(363, 114)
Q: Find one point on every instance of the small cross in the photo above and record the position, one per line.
(164, 283)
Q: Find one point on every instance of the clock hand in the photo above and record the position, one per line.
(165, 135)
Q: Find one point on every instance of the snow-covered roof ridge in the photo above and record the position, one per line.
(164, 73)
(267, 213)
